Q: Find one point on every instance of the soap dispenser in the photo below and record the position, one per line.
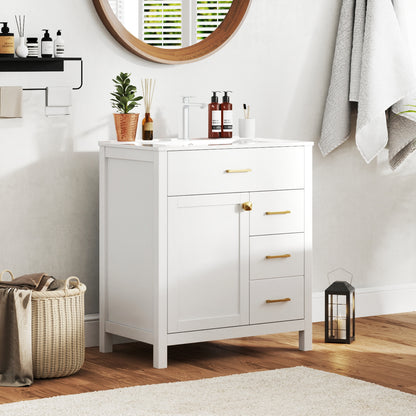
(6, 42)
(214, 117)
(46, 45)
(226, 117)
(59, 45)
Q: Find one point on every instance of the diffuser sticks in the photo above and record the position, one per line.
(20, 23)
(148, 87)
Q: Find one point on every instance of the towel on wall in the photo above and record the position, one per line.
(11, 102)
(58, 96)
(371, 67)
(58, 101)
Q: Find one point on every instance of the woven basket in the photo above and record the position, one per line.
(58, 335)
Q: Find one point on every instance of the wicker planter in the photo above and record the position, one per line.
(126, 126)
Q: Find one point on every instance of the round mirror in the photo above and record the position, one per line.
(172, 31)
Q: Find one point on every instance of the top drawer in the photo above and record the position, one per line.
(235, 170)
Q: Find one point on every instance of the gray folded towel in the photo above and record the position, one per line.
(372, 67)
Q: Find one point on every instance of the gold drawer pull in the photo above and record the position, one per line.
(237, 170)
(277, 212)
(278, 300)
(247, 206)
(280, 256)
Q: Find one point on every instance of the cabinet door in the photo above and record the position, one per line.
(208, 262)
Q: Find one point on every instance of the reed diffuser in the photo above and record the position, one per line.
(21, 51)
(148, 87)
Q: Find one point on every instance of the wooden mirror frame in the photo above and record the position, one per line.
(208, 46)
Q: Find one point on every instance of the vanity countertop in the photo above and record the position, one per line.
(166, 145)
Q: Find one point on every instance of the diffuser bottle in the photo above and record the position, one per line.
(6, 42)
(214, 117)
(226, 117)
(147, 127)
(59, 46)
(46, 45)
(148, 87)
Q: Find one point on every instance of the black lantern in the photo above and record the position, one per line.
(340, 313)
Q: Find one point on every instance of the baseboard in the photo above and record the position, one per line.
(368, 302)
(92, 331)
(373, 301)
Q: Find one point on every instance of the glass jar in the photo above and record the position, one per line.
(147, 127)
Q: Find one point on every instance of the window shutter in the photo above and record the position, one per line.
(162, 23)
(117, 7)
(210, 14)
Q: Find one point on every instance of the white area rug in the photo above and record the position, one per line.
(289, 392)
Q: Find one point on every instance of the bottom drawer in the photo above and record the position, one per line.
(274, 300)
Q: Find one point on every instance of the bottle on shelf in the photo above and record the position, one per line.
(6, 42)
(226, 116)
(46, 45)
(33, 47)
(214, 117)
(147, 127)
(59, 46)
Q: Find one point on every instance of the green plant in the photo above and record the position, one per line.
(125, 94)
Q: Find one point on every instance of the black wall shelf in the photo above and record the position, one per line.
(34, 64)
(40, 65)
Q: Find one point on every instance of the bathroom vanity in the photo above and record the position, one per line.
(204, 240)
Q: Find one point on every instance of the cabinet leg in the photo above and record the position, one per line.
(106, 342)
(160, 356)
(305, 339)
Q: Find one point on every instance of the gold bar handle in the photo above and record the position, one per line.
(277, 212)
(237, 170)
(278, 300)
(280, 256)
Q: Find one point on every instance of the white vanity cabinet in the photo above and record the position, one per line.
(204, 241)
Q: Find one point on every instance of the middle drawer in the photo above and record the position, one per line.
(276, 256)
(277, 212)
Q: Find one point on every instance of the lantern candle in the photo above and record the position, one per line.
(342, 327)
(340, 313)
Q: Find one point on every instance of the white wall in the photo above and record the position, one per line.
(279, 63)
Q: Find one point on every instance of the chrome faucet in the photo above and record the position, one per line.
(185, 114)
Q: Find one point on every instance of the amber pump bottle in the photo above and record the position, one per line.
(226, 117)
(214, 117)
(6, 42)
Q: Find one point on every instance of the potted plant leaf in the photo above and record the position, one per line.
(125, 100)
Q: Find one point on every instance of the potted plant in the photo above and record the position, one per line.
(124, 100)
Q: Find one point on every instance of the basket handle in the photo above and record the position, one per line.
(72, 278)
(6, 271)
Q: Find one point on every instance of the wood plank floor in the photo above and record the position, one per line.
(384, 353)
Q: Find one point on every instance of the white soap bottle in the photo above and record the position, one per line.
(59, 46)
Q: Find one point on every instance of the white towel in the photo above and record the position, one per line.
(11, 102)
(58, 101)
(371, 66)
(58, 96)
(402, 128)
